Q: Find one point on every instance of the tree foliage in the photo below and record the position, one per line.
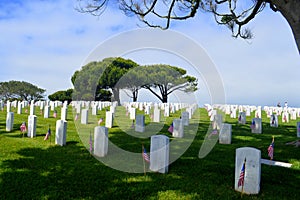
(64, 95)
(95, 80)
(234, 14)
(168, 79)
(20, 90)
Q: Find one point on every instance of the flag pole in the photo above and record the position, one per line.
(50, 134)
(273, 149)
(244, 177)
(143, 160)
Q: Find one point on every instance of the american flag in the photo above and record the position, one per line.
(47, 134)
(91, 143)
(76, 117)
(23, 127)
(252, 124)
(171, 128)
(55, 114)
(145, 155)
(271, 150)
(100, 121)
(284, 118)
(242, 175)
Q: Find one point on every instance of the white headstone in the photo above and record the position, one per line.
(252, 170)
(84, 116)
(100, 141)
(132, 113)
(9, 121)
(31, 131)
(19, 108)
(61, 132)
(64, 112)
(32, 108)
(156, 115)
(185, 118)
(109, 119)
(46, 112)
(256, 126)
(178, 128)
(140, 123)
(94, 110)
(225, 134)
(298, 129)
(159, 153)
(8, 106)
(147, 109)
(217, 122)
(167, 110)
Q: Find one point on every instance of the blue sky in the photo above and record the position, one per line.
(45, 42)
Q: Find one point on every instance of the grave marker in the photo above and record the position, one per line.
(252, 170)
(100, 141)
(159, 153)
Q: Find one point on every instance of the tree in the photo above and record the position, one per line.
(168, 79)
(64, 95)
(20, 90)
(95, 79)
(116, 68)
(133, 80)
(231, 13)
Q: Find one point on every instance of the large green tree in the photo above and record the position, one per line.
(167, 79)
(63, 95)
(234, 14)
(20, 90)
(96, 79)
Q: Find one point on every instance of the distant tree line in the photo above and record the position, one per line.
(20, 90)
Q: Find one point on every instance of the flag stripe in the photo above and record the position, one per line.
(145, 155)
(242, 176)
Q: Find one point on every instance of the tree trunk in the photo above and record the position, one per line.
(134, 95)
(290, 9)
(165, 98)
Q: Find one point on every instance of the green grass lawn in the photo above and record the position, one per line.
(31, 168)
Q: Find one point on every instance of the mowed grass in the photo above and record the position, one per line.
(31, 168)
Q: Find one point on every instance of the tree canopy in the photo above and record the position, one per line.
(234, 14)
(95, 80)
(20, 90)
(64, 95)
(168, 79)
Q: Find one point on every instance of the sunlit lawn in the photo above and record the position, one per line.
(31, 168)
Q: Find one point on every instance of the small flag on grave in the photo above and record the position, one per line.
(252, 126)
(242, 175)
(100, 121)
(23, 127)
(284, 118)
(48, 134)
(271, 149)
(171, 128)
(55, 114)
(145, 155)
(76, 117)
